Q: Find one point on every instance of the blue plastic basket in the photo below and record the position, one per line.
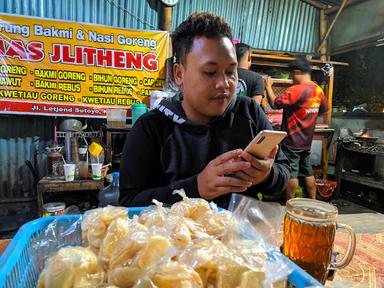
(21, 263)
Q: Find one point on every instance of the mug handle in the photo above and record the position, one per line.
(351, 248)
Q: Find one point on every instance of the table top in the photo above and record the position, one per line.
(326, 130)
(54, 184)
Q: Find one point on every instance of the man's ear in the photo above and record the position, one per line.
(249, 60)
(178, 73)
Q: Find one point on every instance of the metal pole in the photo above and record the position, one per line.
(323, 31)
(166, 18)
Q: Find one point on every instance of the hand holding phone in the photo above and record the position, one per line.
(259, 153)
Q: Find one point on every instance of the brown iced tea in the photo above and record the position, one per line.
(309, 245)
(83, 170)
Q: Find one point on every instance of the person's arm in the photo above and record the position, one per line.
(270, 94)
(277, 179)
(257, 99)
(289, 98)
(258, 89)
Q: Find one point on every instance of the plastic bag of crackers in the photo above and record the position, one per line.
(191, 244)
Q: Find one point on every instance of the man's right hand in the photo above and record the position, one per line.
(213, 181)
(268, 82)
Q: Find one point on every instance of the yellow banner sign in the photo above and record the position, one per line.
(65, 68)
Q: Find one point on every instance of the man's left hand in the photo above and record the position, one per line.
(260, 168)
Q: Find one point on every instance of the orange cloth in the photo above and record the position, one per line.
(3, 245)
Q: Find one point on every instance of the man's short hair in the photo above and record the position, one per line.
(301, 64)
(197, 25)
(241, 49)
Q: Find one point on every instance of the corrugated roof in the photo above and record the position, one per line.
(116, 13)
(263, 24)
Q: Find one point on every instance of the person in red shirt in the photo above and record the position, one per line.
(301, 105)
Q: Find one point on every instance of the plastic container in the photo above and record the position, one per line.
(116, 118)
(325, 188)
(20, 265)
(95, 149)
(137, 111)
(110, 194)
(96, 171)
(83, 169)
(156, 97)
(53, 209)
(54, 162)
(69, 171)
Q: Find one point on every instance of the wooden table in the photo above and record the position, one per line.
(54, 184)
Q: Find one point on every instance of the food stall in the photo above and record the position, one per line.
(91, 82)
(59, 78)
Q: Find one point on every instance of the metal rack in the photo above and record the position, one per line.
(356, 176)
(92, 134)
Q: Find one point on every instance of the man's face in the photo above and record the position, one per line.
(297, 76)
(208, 78)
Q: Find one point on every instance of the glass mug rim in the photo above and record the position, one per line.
(311, 210)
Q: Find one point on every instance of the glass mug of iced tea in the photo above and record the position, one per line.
(309, 232)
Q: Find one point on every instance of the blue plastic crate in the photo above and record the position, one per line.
(21, 263)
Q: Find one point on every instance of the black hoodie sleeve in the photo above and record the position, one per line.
(273, 188)
(140, 167)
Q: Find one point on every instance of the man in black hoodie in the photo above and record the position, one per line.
(194, 141)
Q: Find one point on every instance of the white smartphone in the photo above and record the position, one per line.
(264, 142)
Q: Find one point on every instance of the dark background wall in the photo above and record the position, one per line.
(362, 81)
(359, 23)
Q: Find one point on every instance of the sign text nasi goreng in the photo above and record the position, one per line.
(64, 68)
